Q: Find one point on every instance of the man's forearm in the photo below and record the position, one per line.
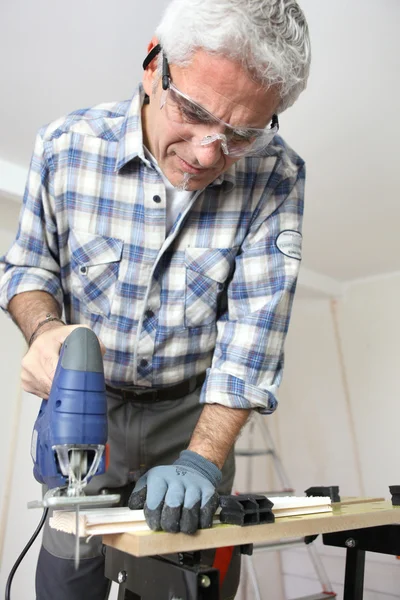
(28, 309)
(216, 432)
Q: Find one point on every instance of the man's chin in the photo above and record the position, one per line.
(187, 181)
(191, 184)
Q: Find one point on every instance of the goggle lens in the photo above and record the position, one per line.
(193, 123)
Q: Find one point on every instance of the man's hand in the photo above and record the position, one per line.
(179, 497)
(40, 362)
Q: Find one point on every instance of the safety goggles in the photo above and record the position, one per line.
(196, 125)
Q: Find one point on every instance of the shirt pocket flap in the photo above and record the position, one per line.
(215, 263)
(91, 249)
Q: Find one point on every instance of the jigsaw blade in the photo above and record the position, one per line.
(77, 549)
(77, 469)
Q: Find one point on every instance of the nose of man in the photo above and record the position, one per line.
(209, 155)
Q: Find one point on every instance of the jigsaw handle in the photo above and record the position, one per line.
(81, 352)
(75, 413)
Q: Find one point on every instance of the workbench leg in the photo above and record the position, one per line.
(354, 577)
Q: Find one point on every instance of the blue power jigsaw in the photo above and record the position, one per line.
(69, 440)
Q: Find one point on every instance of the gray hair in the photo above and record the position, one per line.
(268, 37)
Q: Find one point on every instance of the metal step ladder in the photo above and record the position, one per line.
(285, 490)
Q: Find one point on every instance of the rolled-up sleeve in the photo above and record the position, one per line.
(32, 262)
(248, 360)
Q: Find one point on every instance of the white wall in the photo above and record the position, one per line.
(370, 326)
(10, 353)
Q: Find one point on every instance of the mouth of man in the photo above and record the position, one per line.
(189, 168)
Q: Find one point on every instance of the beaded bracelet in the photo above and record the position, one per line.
(48, 319)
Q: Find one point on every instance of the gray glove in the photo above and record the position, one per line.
(179, 497)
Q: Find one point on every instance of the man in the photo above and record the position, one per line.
(170, 225)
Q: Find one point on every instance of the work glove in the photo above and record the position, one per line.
(179, 497)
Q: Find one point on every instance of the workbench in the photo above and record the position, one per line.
(134, 561)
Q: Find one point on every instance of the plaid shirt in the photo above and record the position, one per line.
(214, 294)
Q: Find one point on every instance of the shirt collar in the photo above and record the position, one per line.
(226, 179)
(130, 143)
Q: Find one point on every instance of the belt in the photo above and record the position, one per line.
(172, 392)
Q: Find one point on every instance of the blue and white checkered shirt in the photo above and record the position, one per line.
(215, 293)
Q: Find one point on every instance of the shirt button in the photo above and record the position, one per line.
(83, 270)
(149, 314)
(144, 363)
(157, 199)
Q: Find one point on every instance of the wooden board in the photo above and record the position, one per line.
(343, 517)
(357, 500)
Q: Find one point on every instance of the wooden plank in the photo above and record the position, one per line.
(101, 521)
(342, 517)
(358, 500)
(133, 520)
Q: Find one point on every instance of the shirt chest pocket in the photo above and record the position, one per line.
(207, 269)
(95, 261)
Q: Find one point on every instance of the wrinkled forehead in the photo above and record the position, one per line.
(224, 89)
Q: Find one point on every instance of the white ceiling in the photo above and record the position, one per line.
(58, 56)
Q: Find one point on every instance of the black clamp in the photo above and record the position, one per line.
(246, 509)
(331, 492)
(395, 491)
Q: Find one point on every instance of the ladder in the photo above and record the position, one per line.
(287, 490)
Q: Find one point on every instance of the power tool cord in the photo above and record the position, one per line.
(24, 551)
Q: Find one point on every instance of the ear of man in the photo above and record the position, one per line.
(150, 72)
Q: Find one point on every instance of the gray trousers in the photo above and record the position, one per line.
(141, 435)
